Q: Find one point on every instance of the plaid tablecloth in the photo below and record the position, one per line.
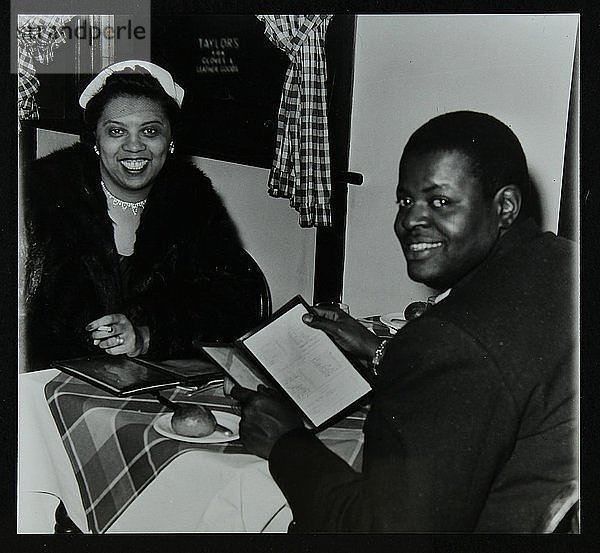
(115, 451)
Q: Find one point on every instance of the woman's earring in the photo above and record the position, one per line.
(171, 147)
(96, 149)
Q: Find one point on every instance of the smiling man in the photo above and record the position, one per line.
(472, 426)
(460, 189)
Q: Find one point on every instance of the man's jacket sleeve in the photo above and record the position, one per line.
(441, 426)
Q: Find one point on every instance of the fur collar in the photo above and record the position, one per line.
(67, 182)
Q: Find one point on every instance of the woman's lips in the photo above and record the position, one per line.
(134, 165)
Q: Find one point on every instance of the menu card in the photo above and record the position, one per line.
(124, 376)
(303, 362)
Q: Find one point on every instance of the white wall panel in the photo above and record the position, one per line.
(410, 68)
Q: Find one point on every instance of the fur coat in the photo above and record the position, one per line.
(188, 276)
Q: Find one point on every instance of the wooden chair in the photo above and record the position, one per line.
(570, 524)
(264, 306)
(562, 516)
(63, 524)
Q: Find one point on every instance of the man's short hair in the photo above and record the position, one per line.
(495, 152)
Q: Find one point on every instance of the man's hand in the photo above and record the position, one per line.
(345, 331)
(266, 416)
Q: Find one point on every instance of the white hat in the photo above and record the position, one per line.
(160, 74)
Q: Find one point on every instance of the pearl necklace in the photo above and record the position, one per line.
(134, 206)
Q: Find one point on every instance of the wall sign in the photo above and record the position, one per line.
(232, 75)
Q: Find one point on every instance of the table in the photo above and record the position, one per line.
(197, 491)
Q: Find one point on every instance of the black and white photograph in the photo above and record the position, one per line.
(346, 245)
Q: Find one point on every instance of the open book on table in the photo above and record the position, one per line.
(125, 376)
(301, 361)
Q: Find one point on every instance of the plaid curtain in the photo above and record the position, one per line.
(301, 168)
(37, 38)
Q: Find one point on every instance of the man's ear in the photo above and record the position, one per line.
(508, 202)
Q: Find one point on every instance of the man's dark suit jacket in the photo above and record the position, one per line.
(473, 418)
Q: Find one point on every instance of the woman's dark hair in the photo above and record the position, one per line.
(496, 155)
(137, 83)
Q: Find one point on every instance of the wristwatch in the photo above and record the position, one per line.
(378, 355)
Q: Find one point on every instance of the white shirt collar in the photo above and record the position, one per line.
(442, 296)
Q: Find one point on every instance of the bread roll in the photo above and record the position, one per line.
(194, 421)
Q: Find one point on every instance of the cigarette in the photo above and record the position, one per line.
(105, 328)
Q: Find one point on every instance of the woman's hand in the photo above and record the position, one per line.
(266, 416)
(116, 335)
(345, 331)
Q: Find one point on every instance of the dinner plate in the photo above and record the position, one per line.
(163, 426)
(395, 321)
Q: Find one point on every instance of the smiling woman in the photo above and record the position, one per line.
(130, 249)
(132, 137)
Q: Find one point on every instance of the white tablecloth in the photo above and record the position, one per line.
(199, 491)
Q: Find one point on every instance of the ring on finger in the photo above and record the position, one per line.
(120, 340)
